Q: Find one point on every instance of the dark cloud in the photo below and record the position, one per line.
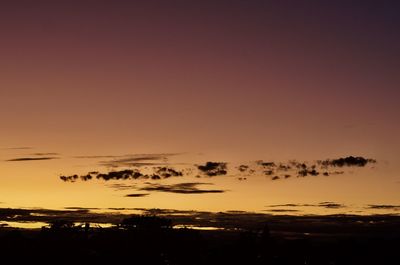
(213, 169)
(304, 169)
(384, 207)
(284, 205)
(127, 174)
(331, 205)
(283, 167)
(82, 208)
(307, 172)
(266, 164)
(22, 159)
(123, 209)
(243, 168)
(155, 177)
(137, 195)
(166, 172)
(183, 188)
(112, 175)
(157, 168)
(71, 178)
(282, 210)
(269, 172)
(86, 177)
(349, 161)
(120, 175)
(290, 205)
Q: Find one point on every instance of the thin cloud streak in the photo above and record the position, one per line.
(182, 188)
(17, 148)
(23, 159)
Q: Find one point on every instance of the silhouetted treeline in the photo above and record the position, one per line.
(153, 240)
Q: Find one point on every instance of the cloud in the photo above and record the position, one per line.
(112, 175)
(282, 210)
(120, 186)
(158, 168)
(269, 172)
(71, 178)
(182, 188)
(166, 172)
(127, 174)
(243, 168)
(307, 172)
(212, 169)
(96, 156)
(331, 205)
(266, 164)
(45, 154)
(137, 195)
(349, 161)
(384, 207)
(82, 208)
(304, 169)
(22, 159)
(122, 174)
(17, 148)
(139, 160)
(285, 205)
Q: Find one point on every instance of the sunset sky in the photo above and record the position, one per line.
(180, 83)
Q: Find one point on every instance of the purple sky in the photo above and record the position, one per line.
(234, 80)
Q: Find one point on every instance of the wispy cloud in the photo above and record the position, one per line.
(138, 160)
(22, 159)
(384, 207)
(329, 205)
(96, 156)
(45, 154)
(81, 208)
(135, 195)
(183, 188)
(17, 148)
(282, 210)
(120, 186)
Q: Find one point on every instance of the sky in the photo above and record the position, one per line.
(197, 81)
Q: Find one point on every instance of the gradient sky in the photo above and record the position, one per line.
(226, 81)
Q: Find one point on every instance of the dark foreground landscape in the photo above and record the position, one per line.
(149, 239)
